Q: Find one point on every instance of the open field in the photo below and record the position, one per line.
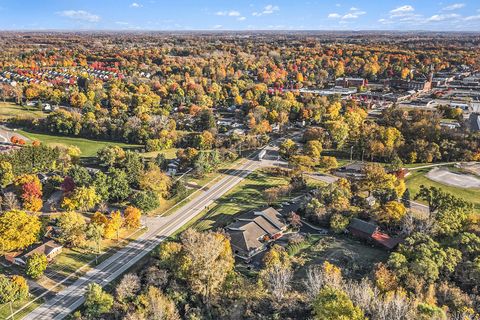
(418, 178)
(88, 147)
(5, 309)
(169, 153)
(11, 110)
(246, 196)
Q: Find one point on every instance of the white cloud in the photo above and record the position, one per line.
(80, 15)
(241, 18)
(442, 17)
(217, 26)
(231, 13)
(269, 9)
(135, 5)
(472, 18)
(402, 10)
(334, 16)
(354, 13)
(454, 6)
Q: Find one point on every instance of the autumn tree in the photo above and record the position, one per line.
(155, 180)
(72, 226)
(334, 304)
(18, 230)
(113, 225)
(391, 213)
(6, 173)
(36, 265)
(132, 217)
(97, 301)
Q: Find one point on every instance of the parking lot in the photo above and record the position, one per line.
(454, 179)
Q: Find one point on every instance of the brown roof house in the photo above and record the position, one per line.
(50, 249)
(371, 232)
(251, 232)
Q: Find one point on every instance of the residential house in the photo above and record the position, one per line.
(371, 232)
(50, 249)
(251, 232)
(353, 170)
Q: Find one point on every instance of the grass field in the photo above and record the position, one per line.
(11, 110)
(88, 147)
(418, 178)
(5, 309)
(169, 154)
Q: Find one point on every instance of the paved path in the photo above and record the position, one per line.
(159, 228)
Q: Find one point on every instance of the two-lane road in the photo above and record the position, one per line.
(159, 228)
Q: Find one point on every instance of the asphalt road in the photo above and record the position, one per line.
(159, 228)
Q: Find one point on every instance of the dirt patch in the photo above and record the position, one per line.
(454, 179)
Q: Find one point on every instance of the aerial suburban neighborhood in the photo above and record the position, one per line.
(244, 165)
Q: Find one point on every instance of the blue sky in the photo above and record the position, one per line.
(239, 15)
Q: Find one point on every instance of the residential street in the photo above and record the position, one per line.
(159, 228)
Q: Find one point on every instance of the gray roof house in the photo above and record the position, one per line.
(251, 232)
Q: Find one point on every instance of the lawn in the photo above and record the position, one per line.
(418, 178)
(11, 110)
(88, 147)
(5, 309)
(247, 195)
(169, 154)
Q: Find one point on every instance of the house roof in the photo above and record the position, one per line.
(385, 240)
(252, 226)
(45, 248)
(273, 216)
(244, 241)
(363, 226)
(262, 223)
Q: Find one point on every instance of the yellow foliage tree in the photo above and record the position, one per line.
(132, 217)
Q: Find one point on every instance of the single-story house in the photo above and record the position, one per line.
(251, 232)
(353, 170)
(50, 249)
(371, 232)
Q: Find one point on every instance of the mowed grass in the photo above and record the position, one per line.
(10, 110)
(418, 178)
(246, 196)
(5, 309)
(88, 147)
(168, 154)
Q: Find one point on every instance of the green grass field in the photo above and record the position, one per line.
(5, 309)
(418, 178)
(88, 147)
(11, 110)
(169, 153)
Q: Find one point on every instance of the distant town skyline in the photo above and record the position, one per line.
(239, 15)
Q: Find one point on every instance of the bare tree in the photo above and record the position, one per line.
(362, 293)
(156, 277)
(10, 201)
(278, 280)
(317, 278)
(128, 286)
